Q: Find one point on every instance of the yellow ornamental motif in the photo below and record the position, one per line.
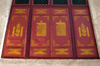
(41, 11)
(55, 44)
(79, 44)
(47, 17)
(86, 52)
(61, 51)
(60, 28)
(87, 17)
(35, 17)
(54, 17)
(80, 11)
(20, 10)
(9, 44)
(67, 44)
(14, 16)
(66, 17)
(46, 44)
(59, 11)
(15, 51)
(40, 51)
(17, 30)
(33, 43)
(76, 17)
(22, 43)
(41, 29)
(91, 44)
(25, 16)
(83, 31)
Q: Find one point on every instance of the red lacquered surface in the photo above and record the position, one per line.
(15, 41)
(61, 36)
(49, 31)
(86, 52)
(84, 37)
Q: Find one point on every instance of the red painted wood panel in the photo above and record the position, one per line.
(84, 36)
(61, 36)
(41, 11)
(40, 52)
(86, 52)
(50, 37)
(40, 33)
(60, 11)
(48, 31)
(14, 52)
(15, 43)
(61, 31)
(62, 52)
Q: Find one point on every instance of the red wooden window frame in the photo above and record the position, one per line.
(50, 6)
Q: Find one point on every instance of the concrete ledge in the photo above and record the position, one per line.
(47, 62)
(95, 12)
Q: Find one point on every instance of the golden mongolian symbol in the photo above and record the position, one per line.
(41, 11)
(41, 29)
(61, 52)
(83, 30)
(60, 28)
(20, 10)
(80, 11)
(14, 51)
(59, 11)
(40, 51)
(86, 52)
(17, 30)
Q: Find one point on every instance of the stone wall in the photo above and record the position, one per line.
(4, 14)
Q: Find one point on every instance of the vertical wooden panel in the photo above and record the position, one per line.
(84, 37)
(15, 41)
(40, 33)
(61, 36)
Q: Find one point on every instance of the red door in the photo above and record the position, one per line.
(49, 29)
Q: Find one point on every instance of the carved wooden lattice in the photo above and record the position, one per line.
(79, 2)
(21, 1)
